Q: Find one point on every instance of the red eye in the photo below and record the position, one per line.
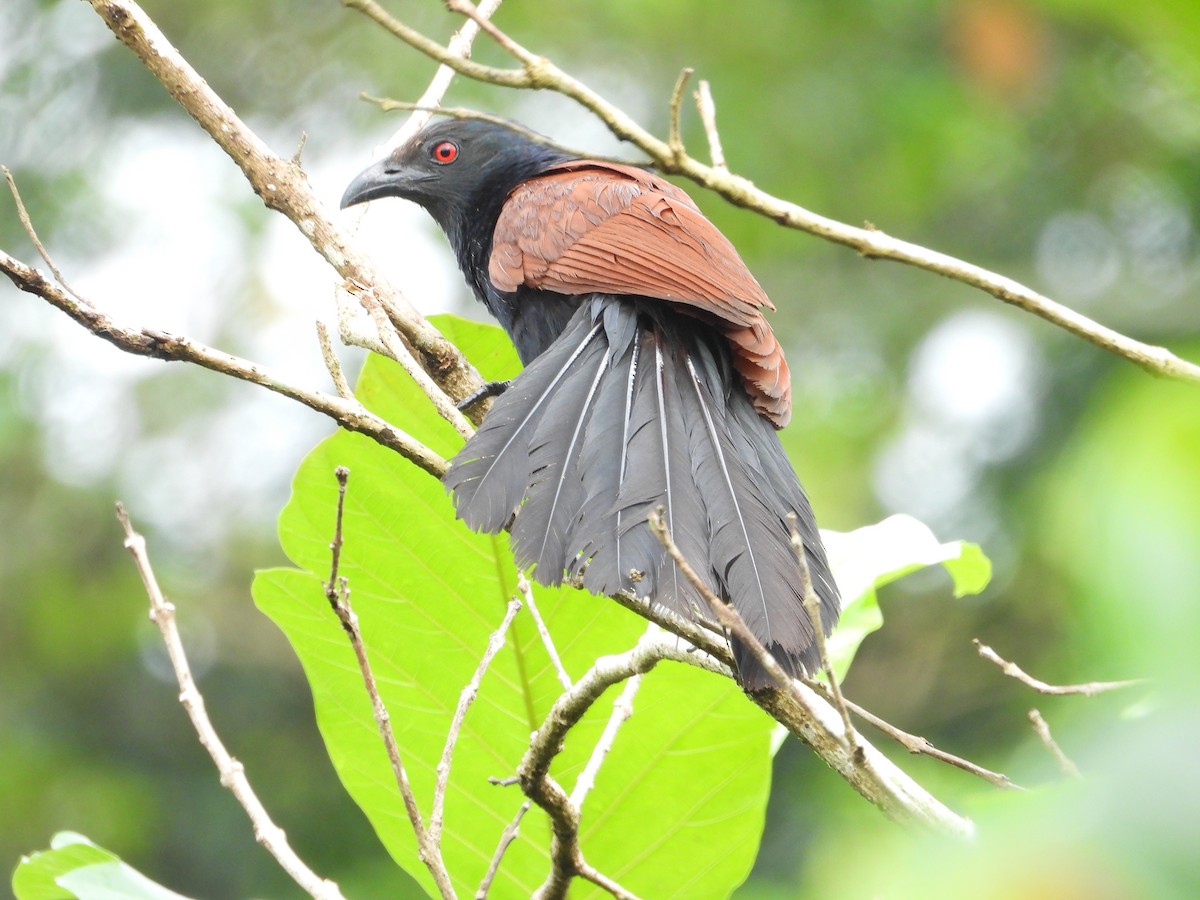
(445, 152)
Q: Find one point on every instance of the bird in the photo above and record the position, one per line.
(652, 380)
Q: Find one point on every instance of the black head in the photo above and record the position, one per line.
(455, 169)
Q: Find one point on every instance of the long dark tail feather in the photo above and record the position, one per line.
(627, 411)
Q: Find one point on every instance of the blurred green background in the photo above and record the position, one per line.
(1057, 142)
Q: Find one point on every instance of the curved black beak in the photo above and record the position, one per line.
(370, 184)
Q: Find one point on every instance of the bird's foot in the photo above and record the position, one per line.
(491, 389)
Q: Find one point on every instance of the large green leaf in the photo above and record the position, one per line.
(867, 558)
(678, 807)
(74, 867)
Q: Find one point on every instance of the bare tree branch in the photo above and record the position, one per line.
(332, 364)
(509, 835)
(27, 224)
(622, 710)
(283, 186)
(812, 606)
(351, 415)
(526, 591)
(802, 711)
(460, 46)
(708, 115)
(1042, 729)
(567, 861)
(675, 128)
(465, 699)
(396, 350)
(337, 592)
(916, 744)
(729, 618)
(233, 775)
(1012, 670)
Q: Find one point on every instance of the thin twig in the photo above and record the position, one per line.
(27, 224)
(337, 591)
(1090, 689)
(475, 14)
(525, 589)
(332, 364)
(387, 104)
(622, 710)
(567, 861)
(437, 52)
(799, 709)
(397, 351)
(588, 872)
(233, 774)
(675, 129)
(708, 115)
(916, 744)
(465, 699)
(459, 112)
(730, 618)
(1043, 731)
(351, 415)
(812, 606)
(460, 46)
(510, 834)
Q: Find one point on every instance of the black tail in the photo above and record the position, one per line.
(632, 405)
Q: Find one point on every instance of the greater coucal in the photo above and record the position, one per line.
(652, 379)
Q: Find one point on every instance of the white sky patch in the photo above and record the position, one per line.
(973, 386)
(977, 372)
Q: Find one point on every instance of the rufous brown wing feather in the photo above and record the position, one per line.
(586, 226)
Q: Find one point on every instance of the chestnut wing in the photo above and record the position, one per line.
(586, 226)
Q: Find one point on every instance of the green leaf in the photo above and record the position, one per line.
(867, 558)
(677, 810)
(74, 867)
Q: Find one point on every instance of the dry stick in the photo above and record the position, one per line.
(918, 745)
(622, 710)
(567, 861)
(458, 112)
(812, 606)
(509, 835)
(283, 186)
(354, 324)
(460, 46)
(675, 130)
(396, 349)
(537, 72)
(708, 115)
(1011, 669)
(1043, 731)
(802, 711)
(337, 591)
(526, 591)
(27, 224)
(729, 618)
(465, 699)
(351, 415)
(332, 364)
(233, 775)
